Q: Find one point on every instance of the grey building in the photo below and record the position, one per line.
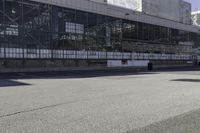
(45, 34)
(176, 10)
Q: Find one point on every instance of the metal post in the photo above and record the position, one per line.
(5, 38)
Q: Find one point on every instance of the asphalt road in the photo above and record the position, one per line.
(100, 102)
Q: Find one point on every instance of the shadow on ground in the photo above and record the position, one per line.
(72, 74)
(9, 83)
(184, 123)
(187, 80)
(92, 73)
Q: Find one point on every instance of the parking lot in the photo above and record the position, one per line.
(100, 102)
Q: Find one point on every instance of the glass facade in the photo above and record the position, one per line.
(27, 26)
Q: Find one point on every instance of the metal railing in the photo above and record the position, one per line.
(19, 53)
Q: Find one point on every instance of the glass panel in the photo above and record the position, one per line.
(185, 45)
(1, 11)
(69, 23)
(129, 30)
(164, 34)
(174, 36)
(101, 41)
(45, 40)
(92, 27)
(157, 33)
(140, 33)
(152, 33)
(102, 24)
(116, 34)
(1, 24)
(91, 32)
(145, 31)
(13, 23)
(13, 12)
(37, 20)
(102, 33)
(81, 27)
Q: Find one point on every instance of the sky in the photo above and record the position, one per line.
(195, 4)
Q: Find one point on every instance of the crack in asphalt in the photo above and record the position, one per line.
(26, 111)
(60, 104)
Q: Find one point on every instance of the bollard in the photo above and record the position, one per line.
(150, 66)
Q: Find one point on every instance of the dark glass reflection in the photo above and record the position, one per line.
(33, 25)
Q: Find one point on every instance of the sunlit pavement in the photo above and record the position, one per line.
(155, 102)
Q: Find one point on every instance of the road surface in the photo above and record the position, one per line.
(100, 102)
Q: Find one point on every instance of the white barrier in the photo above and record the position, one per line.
(127, 63)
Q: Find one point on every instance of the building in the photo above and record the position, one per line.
(196, 21)
(196, 18)
(46, 34)
(185, 13)
(176, 10)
